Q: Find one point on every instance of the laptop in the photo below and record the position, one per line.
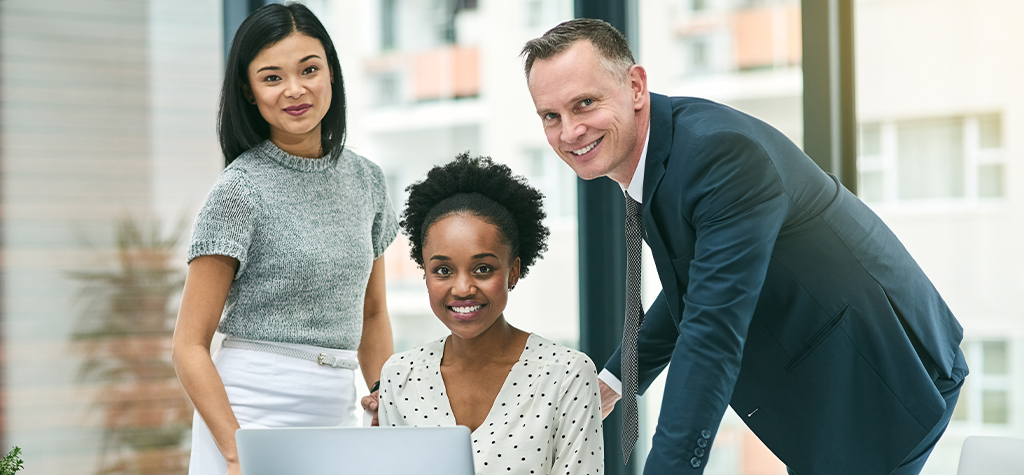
(369, 450)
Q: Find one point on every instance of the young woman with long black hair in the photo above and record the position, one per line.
(288, 247)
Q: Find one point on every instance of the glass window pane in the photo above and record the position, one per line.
(990, 181)
(930, 158)
(870, 139)
(388, 28)
(995, 407)
(995, 358)
(990, 131)
(870, 186)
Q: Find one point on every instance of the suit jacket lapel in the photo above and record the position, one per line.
(658, 148)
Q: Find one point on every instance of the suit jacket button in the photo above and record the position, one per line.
(695, 462)
(702, 442)
(698, 452)
(705, 434)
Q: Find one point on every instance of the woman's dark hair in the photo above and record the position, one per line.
(485, 189)
(240, 125)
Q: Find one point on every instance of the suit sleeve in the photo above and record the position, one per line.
(655, 343)
(732, 193)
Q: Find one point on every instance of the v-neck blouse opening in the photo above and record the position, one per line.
(508, 377)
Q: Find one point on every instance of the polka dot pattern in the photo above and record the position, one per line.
(546, 419)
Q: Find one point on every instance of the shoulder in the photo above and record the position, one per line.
(544, 352)
(419, 356)
(361, 164)
(234, 187)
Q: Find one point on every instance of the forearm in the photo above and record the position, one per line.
(206, 287)
(204, 387)
(376, 345)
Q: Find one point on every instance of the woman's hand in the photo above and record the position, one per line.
(370, 404)
(608, 398)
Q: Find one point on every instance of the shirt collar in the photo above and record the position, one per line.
(636, 184)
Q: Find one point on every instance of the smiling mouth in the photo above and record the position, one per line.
(466, 310)
(298, 110)
(587, 148)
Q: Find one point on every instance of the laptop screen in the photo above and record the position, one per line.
(335, 451)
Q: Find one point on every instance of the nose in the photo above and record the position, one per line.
(463, 285)
(572, 130)
(294, 89)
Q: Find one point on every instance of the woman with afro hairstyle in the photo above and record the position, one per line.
(532, 404)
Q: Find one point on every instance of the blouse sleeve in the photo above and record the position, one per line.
(226, 221)
(579, 438)
(385, 223)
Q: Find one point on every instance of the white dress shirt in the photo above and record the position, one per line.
(635, 190)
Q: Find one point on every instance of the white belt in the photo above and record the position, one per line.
(322, 359)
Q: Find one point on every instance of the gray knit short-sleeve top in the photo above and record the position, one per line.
(305, 233)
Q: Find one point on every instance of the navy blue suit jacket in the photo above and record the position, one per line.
(784, 296)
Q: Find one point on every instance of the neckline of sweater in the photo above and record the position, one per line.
(270, 150)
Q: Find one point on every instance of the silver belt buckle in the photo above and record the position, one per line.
(321, 359)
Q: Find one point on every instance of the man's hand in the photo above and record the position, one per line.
(370, 405)
(608, 398)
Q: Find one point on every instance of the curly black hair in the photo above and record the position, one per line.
(483, 188)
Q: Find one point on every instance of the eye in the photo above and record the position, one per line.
(484, 269)
(443, 271)
(586, 102)
(310, 70)
(272, 78)
(550, 116)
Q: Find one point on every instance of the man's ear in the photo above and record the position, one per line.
(637, 77)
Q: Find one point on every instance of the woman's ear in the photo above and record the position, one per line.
(513, 275)
(247, 93)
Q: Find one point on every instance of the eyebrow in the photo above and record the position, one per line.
(478, 256)
(276, 68)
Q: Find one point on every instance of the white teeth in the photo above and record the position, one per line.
(587, 148)
(466, 309)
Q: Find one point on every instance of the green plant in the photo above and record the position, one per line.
(11, 462)
(124, 332)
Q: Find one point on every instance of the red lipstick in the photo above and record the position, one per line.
(298, 110)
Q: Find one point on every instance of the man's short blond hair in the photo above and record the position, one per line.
(610, 44)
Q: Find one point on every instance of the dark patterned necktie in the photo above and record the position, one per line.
(631, 328)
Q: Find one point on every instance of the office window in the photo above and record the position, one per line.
(388, 88)
(700, 61)
(943, 158)
(990, 166)
(985, 398)
(388, 26)
(555, 180)
(930, 153)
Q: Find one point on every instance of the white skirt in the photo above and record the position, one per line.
(269, 390)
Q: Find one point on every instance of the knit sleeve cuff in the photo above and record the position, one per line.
(219, 248)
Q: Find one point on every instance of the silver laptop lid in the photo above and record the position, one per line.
(336, 451)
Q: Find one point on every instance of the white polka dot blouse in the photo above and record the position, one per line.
(545, 420)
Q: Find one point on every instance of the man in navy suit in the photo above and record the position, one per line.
(783, 294)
